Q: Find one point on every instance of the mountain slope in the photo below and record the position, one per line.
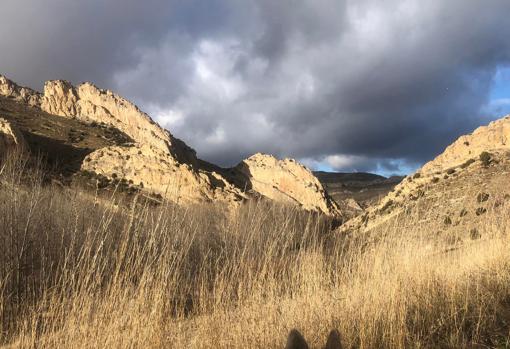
(74, 123)
(450, 193)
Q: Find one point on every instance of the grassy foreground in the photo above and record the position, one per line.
(83, 272)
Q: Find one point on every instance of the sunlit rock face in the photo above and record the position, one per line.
(162, 164)
(91, 104)
(157, 172)
(495, 136)
(286, 181)
(10, 138)
(20, 94)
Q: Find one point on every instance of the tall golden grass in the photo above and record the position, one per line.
(82, 273)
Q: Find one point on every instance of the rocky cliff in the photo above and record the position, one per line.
(91, 104)
(20, 94)
(156, 161)
(285, 181)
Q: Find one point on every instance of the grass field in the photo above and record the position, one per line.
(79, 271)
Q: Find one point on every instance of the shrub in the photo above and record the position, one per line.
(480, 211)
(482, 197)
(474, 234)
(485, 158)
(467, 163)
(387, 205)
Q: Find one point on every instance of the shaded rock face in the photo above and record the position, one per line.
(10, 137)
(285, 181)
(163, 164)
(446, 188)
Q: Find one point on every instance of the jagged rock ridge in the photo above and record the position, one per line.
(20, 94)
(161, 163)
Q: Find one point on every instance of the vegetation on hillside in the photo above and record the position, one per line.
(80, 271)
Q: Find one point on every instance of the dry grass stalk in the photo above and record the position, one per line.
(77, 274)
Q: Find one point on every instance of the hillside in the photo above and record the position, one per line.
(77, 272)
(450, 193)
(238, 257)
(96, 135)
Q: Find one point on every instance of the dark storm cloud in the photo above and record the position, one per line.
(357, 85)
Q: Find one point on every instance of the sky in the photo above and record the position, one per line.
(345, 85)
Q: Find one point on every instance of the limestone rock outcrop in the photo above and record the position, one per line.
(285, 181)
(10, 137)
(91, 104)
(20, 94)
(495, 136)
(163, 164)
(158, 173)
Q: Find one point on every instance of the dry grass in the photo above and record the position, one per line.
(75, 273)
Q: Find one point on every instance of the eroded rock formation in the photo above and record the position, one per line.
(163, 164)
(10, 137)
(157, 172)
(285, 181)
(91, 104)
(20, 94)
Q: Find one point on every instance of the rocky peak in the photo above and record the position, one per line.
(286, 181)
(20, 94)
(92, 104)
